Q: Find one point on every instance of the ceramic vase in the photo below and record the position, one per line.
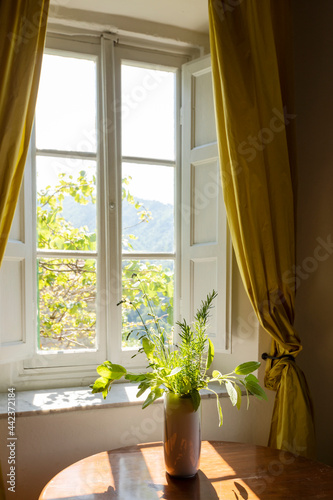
(182, 436)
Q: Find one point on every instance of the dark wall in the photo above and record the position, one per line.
(314, 303)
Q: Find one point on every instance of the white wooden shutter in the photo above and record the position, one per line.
(16, 284)
(206, 249)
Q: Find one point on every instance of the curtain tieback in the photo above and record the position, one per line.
(267, 356)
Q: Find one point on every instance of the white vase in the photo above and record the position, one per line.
(182, 435)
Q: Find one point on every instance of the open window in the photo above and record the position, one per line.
(121, 184)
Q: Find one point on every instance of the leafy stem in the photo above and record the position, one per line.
(181, 370)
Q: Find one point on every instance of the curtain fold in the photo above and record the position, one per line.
(251, 79)
(22, 36)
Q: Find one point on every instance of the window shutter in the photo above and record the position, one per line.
(17, 312)
(206, 248)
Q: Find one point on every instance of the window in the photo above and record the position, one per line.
(148, 133)
(66, 167)
(121, 193)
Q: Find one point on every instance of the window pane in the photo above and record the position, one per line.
(66, 204)
(148, 112)
(148, 208)
(150, 287)
(67, 304)
(66, 104)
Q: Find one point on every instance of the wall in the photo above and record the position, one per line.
(314, 304)
(62, 18)
(48, 443)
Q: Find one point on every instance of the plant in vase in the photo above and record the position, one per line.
(180, 372)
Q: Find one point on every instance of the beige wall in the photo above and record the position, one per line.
(48, 443)
(314, 304)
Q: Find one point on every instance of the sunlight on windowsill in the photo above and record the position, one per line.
(43, 402)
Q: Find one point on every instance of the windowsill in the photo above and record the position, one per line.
(44, 402)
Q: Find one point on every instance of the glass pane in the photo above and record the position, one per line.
(148, 112)
(66, 204)
(148, 208)
(67, 304)
(66, 104)
(149, 286)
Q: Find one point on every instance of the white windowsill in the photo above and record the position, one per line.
(44, 402)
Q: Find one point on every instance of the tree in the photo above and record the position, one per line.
(67, 286)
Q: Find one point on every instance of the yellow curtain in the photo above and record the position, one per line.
(250, 66)
(22, 36)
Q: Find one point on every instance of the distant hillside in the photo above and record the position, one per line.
(157, 235)
(80, 215)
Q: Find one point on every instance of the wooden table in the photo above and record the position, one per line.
(232, 471)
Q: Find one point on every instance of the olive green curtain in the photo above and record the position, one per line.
(251, 79)
(22, 36)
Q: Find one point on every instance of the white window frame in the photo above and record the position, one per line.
(44, 360)
(80, 367)
(174, 63)
(206, 257)
(71, 368)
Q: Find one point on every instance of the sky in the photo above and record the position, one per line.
(66, 120)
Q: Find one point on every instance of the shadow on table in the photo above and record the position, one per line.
(110, 494)
(138, 474)
(268, 473)
(198, 487)
(250, 465)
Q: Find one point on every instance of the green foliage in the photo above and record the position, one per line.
(182, 369)
(67, 286)
(154, 306)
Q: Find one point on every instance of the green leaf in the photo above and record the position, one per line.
(148, 347)
(232, 392)
(186, 386)
(111, 370)
(100, 385)
(104, 371)
(175, 371)
(100, 382)
(105, 392)
(216, 374)
(239, 396)
(142, 388)
(242, 382)
(219, 410)
(210, 356)
(196, 399)
(255, 389)
(132, 377)
(252, 378)
(246, 368)
(153, 395)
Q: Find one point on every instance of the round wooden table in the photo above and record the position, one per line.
(227, 471)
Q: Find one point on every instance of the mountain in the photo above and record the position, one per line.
(156, 235)
(79, 215)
